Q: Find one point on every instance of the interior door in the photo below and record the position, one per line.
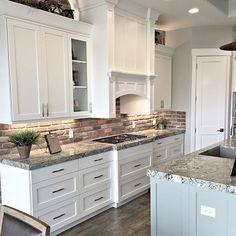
(25, 70)
(55, 53)
(211, 100)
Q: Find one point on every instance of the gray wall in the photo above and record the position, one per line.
(211, 36)
(183, 41)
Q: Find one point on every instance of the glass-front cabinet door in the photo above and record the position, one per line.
(80, 91)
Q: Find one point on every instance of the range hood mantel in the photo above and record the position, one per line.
(122, 84)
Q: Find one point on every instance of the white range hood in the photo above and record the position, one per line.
(136, 92)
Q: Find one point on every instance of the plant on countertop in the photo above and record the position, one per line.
(161, 122)
(24, 140)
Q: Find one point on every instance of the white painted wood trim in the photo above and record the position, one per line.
(164, 50)
(210, 52)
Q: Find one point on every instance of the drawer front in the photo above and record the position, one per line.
(175, 150)
(166, 141)
(93, 177)
(54, 171)
(134, 166)
(134, 151)
(94, 200)
(134, 187)
(159, 155)
(50, 192)
(60, 214)
(95, 160)
(177, 138)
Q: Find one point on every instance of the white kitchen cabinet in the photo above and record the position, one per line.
(130, 166)
(63, 193)
(168, 148)
(39, 71)
(34, 64)
(55, 67)
(163, 82)
(79, 57)
(25, 56)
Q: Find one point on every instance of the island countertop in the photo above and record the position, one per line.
(199, 170)
(40, 158)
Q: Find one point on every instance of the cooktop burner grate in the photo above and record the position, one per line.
(120, 138)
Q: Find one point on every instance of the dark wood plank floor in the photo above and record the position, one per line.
(132, 219)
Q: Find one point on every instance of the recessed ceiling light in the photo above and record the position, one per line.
(193, 10)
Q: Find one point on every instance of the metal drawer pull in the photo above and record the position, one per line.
(159, 143)
(137, 165)
(98, 199)
(99, 159)
(59, 190)
(57, 217)
(159, 156)
(55, 171)
(177, 138)
(136, 185)
(97, 177)
(176, 150)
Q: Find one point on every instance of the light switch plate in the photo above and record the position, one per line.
(208, 211)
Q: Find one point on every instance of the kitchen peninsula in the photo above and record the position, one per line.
(194, 195)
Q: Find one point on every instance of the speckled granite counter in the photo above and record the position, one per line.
(40, 158)
(203, 171)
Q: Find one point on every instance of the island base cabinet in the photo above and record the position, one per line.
(185, 210)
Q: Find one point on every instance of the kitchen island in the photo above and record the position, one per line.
(194, 195)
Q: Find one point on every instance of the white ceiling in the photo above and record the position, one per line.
(174, 13)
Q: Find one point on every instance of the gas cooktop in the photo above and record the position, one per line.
(120, 138)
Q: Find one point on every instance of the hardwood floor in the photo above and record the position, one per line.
(132, 219)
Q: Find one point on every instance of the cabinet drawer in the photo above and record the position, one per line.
(54, 171)
(175, 150)
(51, 191)
(94, 200)
(95, 160)
(61, 214)
(159, 155)
(134, 166)
(166, 141)
(133, 187)
(94, 177)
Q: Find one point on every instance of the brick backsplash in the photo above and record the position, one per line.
(90, 128)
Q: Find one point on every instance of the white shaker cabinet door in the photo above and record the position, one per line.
(163, 82)
(55, 54)
(25, 68)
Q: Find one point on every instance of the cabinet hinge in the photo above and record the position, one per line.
(195, 98)
(195, 130)
(196, 66)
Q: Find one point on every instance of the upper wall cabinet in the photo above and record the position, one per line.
(36, 66)
(123, 51)
(163, 83)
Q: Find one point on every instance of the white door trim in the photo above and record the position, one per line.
(207, 52)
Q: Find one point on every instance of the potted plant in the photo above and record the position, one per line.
(24, 141)
(161, 122)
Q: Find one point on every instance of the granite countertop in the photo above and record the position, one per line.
(199, 170)
(40, 158)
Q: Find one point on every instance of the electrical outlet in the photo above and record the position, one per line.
(133, 124)
(71, 133)
(154, 121)
(208, 211)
